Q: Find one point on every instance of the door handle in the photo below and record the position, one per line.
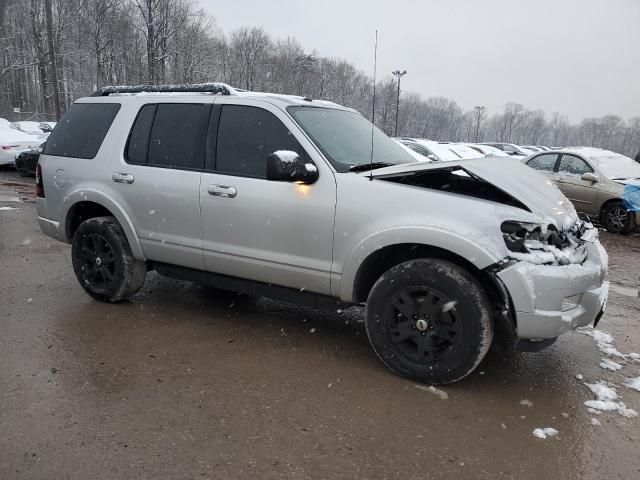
(122, 177)
(222, 191)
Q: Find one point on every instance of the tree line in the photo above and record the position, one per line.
(46, 62)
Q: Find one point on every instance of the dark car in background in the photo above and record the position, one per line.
(26, 162)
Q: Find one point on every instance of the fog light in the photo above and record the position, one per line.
(572, 302)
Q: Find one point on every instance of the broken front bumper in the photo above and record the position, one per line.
(549, 300)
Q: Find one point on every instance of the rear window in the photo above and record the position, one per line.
(81, 130)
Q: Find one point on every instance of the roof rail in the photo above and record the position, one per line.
(214, 88)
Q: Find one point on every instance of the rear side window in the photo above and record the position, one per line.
(247, 136)
(178, 135)
(572, 165)
(545, 162)
(81, 130)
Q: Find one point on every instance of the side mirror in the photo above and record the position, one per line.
(590, 177)
(287, 166)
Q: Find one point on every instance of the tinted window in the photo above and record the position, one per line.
(247, 136)
(178, 135)
(546, 162)
(139, 137)
(572, 165)
(81, 130)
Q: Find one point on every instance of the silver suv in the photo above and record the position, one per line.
(304, 201)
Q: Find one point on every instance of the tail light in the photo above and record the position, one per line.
(39, 185)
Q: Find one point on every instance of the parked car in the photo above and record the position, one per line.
(594, 180)
(416, 156)
(26, 161)
(438, 151)
(303, 200)
(488, 151)
(12, 142)
(510, 148)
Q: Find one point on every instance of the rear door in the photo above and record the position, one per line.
(160, 180)
(582, 193)
(272, 232)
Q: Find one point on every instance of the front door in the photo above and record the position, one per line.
(274, 232)
(582, 193)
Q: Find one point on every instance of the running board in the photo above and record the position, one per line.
(250, 287)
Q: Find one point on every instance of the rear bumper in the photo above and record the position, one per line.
(550, 300)
(50, 227)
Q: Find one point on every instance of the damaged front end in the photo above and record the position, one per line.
(545, 244)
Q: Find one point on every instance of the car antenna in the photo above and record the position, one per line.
(373, 108)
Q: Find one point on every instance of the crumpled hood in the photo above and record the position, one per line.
(533, 189)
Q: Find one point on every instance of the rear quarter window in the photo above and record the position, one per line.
(81, 130)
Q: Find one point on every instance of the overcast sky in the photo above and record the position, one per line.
(579, 57)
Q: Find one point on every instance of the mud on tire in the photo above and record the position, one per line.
(429, 320)
(103, 262)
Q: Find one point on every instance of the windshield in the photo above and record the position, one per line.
(345, 138)
(614, 165)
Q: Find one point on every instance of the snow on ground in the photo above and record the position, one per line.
(545, 432)
(609, 364)
(633, 383)
(436, 391)
(606, 400)
(5, 209)
(595, 422)
(604, 341)
(526, 403)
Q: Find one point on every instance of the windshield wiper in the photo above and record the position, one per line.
(369, 166)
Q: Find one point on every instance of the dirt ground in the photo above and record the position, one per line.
(188, 382)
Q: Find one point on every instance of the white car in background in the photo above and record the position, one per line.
(489, 151)
(439, 151)
(13, 142)
(418, 157)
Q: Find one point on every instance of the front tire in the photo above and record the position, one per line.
(103, 262)
(429, 320)
(617, 219)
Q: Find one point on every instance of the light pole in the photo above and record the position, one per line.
(479, 111)
(398, 74)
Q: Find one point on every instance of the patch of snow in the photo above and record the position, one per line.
(545, 432)
(579, 376)
(526, 403)
(604, 341)
(287, 156)
(312, 330)
(606, 397)
(595, 422)
(5, 209)
(633, 383)
(609, 364)
(436, 391)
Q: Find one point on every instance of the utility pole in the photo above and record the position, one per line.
(52, 56)
(399, 74)
(478, 116)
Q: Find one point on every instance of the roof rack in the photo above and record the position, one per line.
(214, 88)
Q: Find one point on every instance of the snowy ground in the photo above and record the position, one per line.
(186, 382)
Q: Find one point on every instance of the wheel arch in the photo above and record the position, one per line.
(84, 204)
(378, 253)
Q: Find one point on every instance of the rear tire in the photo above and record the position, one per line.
(429, 320)
(103, 262)
(617, 219)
